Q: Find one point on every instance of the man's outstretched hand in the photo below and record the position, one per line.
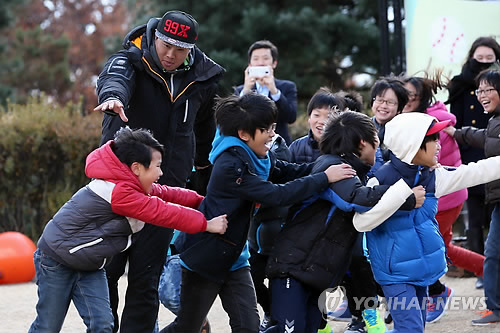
(114, 105)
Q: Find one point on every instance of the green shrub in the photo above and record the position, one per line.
(43, 148)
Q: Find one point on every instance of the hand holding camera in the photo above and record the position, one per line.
(258, 71)
(263, 75)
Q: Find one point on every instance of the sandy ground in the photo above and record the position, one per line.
(17, 310)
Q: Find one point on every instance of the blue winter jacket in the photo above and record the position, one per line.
(408, 247)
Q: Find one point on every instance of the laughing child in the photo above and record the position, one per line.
(244, 173)
(407, 251)
(99, 221)
(488, 94)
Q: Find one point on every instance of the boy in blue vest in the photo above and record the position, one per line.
(244, 174)
(407, 251)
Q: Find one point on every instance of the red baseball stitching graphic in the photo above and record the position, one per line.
(442, 33)
(454, 45)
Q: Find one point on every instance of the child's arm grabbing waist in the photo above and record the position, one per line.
(390, 202)
(467, 175)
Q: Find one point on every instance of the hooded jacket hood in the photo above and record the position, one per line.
(102, 163)
(405, 133)
(140, 42)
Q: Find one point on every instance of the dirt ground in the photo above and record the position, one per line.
(17, 311)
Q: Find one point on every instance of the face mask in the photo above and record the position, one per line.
(477, 66)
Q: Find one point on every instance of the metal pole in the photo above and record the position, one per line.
(398, 38)
(385, 61)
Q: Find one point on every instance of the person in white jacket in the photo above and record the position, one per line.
(406, 251)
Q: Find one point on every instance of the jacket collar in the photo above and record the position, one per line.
(202, 67)
(411, 173)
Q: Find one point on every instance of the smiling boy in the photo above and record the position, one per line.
(320, 107)
(244, 173)
(406, 251)
(488, 94)
(99, 221)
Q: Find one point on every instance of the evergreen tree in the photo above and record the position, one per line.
(320, 42)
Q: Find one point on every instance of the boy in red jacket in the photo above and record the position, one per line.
(99, 221)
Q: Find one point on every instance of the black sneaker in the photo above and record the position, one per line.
(387, 317)
(355, 326)
(265, 324)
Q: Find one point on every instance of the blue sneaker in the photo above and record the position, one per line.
(373, 321)
(437, 305)
(341, 313)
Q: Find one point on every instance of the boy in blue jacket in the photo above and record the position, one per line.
(406, 251)
(244, 173)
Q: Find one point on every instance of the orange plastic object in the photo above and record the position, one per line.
(16, 258)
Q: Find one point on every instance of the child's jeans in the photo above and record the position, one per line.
(58, 285)
(407, 304)
(169, 289)
(492, 263)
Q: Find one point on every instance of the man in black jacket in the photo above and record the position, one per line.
(162, 82)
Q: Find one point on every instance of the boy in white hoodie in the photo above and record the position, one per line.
(407, 251)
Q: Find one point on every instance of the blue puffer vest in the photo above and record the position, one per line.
(408, 247)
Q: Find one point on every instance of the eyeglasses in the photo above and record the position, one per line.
(270, 129)
(412, 96)
(381, 101)
(487, 92)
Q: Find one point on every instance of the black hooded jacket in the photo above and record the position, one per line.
(234, 189)
(176, 106)
(315, 245)
(469, 112)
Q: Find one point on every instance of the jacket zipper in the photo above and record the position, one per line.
(226, 240)
(103, 264)
(186, 110)
(79, 247)
(172, 83)
(165, 82)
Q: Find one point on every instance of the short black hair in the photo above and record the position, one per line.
(249, 112)
(324, 97)
(390, 82)
(428, 138)
(135, 146)
(263, 44)
(490, 76)
(352, 100)
(344, 132)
